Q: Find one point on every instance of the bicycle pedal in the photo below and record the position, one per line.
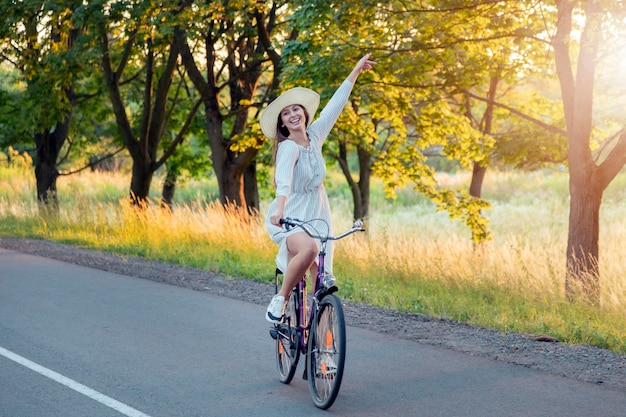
(323, 292)
(274, 333)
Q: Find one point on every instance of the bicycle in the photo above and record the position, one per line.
(318, 331)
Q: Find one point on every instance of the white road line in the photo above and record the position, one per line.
(70, 383)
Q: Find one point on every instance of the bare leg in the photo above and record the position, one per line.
(302, 252)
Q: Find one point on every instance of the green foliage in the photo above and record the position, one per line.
(48, 75)
(51, 55)
(432, 59)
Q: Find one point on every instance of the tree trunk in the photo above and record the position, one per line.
(360, 189)
(141, 179)
(230, 166)
(46, 172)
(359, 207)
(479, 170)
(48, 145)
(169, 188)
(587, 181)
(251, 189)
(231, 185)
(478, 176)
(365, 175)
(582, 280)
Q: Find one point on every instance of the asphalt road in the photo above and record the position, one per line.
(76, 341)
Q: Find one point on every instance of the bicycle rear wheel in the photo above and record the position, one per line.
(288, 342)
(326, 352)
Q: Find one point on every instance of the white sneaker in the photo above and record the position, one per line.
(276, 309)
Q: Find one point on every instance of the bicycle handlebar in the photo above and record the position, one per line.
(289, 222)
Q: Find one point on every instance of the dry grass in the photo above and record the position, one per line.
(411, 258)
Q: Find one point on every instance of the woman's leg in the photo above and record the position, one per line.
(302, 252)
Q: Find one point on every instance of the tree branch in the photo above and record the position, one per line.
(92, 163)
(518, 113)
(180, 136)
(614, 163)
(560, 43)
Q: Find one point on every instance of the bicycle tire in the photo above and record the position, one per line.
(326, 347)
(288, 342)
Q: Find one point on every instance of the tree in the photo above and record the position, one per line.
(226, 53)
(589, 174)
(478, 56)
(490, 51)
(44, 41)
(395, 115)
(139, 54)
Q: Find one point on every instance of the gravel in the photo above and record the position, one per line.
(541, 352)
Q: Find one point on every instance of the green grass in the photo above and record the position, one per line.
(411, 259)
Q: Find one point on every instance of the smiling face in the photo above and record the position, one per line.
(293, 117)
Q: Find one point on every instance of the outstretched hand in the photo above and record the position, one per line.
(365, 63)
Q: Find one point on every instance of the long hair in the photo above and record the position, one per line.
(282, 134)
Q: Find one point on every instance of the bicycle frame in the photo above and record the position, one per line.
(320, 291)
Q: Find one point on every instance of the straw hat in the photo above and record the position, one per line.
(308, 99)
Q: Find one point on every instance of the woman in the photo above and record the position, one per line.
(300, 172)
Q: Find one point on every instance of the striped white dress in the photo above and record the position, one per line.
(300, 174)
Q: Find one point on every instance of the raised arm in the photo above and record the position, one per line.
(328, 116)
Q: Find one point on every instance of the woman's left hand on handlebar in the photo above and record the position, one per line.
(275, 219)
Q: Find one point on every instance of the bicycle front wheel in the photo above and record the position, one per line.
(326, 352)
(288, 342)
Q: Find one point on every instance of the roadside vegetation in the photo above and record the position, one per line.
(412, 258)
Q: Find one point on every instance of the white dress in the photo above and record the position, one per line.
(300, 174)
